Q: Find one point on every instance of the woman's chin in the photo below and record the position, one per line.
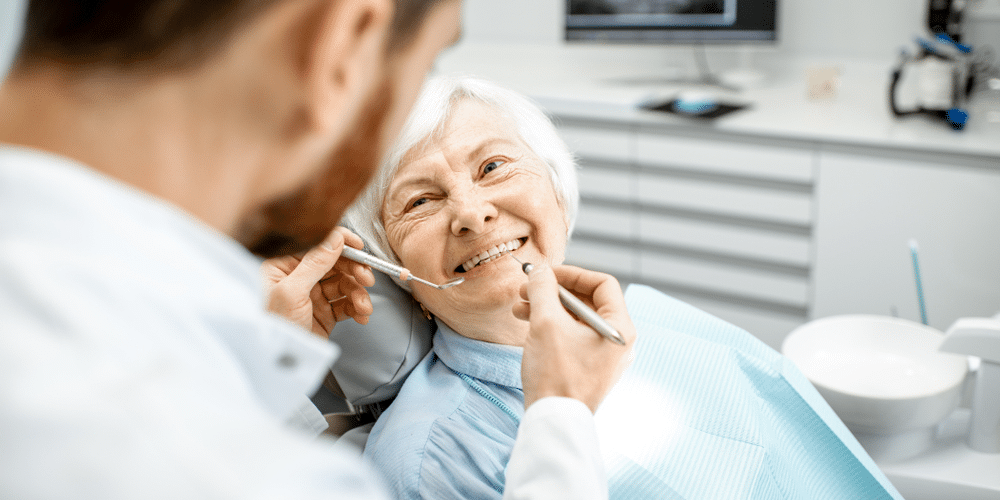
(491, 293)
(484, 295)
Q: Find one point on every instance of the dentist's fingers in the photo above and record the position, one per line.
(314, 265)
(522, 310)
(323, 318)
(300, 272)
(360, 272)
(351, 298)
(350, 238)
(342, 310)
(346, 286)
(346, 267)
(562, 356)
(602, 293)
(301, 287)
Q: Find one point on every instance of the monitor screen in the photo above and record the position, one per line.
(671, 21)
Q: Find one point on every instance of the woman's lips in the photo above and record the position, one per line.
(491, 254)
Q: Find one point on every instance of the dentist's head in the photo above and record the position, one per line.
(263, 118)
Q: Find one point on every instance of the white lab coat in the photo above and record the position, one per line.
(137, 361)
(556, 454)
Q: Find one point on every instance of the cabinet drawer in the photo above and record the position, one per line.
(725, 239)
(725, 199)
(730, 158)
(724, 279)
(618, 260)
(606, 222)
(604, 182)
(599, 144)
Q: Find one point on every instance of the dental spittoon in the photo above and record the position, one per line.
(391, 269)
(581, 310)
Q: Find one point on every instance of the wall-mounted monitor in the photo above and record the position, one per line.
(672, 21)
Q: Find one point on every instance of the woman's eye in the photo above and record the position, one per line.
(493, 165)
(418, 202)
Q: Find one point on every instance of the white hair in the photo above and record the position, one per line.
(437, 100)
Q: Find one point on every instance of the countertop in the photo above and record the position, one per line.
(608, 83)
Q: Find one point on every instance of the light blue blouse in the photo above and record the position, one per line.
(705, 410)
(441, 438)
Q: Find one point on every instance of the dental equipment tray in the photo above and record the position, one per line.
(670, 106)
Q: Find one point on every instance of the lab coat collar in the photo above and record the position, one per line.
(495, 363)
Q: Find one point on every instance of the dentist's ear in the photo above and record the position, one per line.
(342, 53)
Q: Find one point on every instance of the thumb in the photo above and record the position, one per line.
(543, 291)
(318, 261)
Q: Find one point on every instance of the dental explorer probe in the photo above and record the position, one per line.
(581, 310)
(391, 269)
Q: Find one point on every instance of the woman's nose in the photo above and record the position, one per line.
(472, 213)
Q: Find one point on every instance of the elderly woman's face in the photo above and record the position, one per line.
(461, 205)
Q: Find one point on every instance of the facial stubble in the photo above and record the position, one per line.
(300, 220)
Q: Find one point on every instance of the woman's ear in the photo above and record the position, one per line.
(342, 58)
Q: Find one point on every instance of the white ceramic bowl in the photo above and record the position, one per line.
(883, 377)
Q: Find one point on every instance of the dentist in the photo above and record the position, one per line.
(152, 151)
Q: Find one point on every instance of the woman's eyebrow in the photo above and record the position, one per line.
(410, 183)
(478, 150)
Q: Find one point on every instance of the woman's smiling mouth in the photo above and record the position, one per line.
(491, 254)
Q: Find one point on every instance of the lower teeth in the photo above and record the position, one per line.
(490, 259)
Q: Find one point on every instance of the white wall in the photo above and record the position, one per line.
(820, 28)
(11, 12)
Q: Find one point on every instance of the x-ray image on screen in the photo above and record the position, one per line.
(671, 21)
(622, 13)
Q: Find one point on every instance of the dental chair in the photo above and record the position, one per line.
(374, 361)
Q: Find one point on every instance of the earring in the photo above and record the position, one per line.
(427, 314)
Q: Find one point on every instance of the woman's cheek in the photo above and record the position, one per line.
(419, 241)
(410, 238)
(396, 233)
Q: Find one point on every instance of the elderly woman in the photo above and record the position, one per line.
(480, 177)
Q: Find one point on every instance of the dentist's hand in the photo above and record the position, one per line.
(317, 289)
(565, 357)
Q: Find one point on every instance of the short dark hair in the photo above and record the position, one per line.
(173, 34)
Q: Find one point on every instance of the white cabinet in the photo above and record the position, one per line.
(720, 223)
(768, 234)
(737, 158)
(605, 227)
(869, 207)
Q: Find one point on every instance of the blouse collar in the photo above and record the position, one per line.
(495, 363)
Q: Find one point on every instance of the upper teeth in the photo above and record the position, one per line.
(488, 255)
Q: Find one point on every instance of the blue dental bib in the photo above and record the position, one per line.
(708, 411)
